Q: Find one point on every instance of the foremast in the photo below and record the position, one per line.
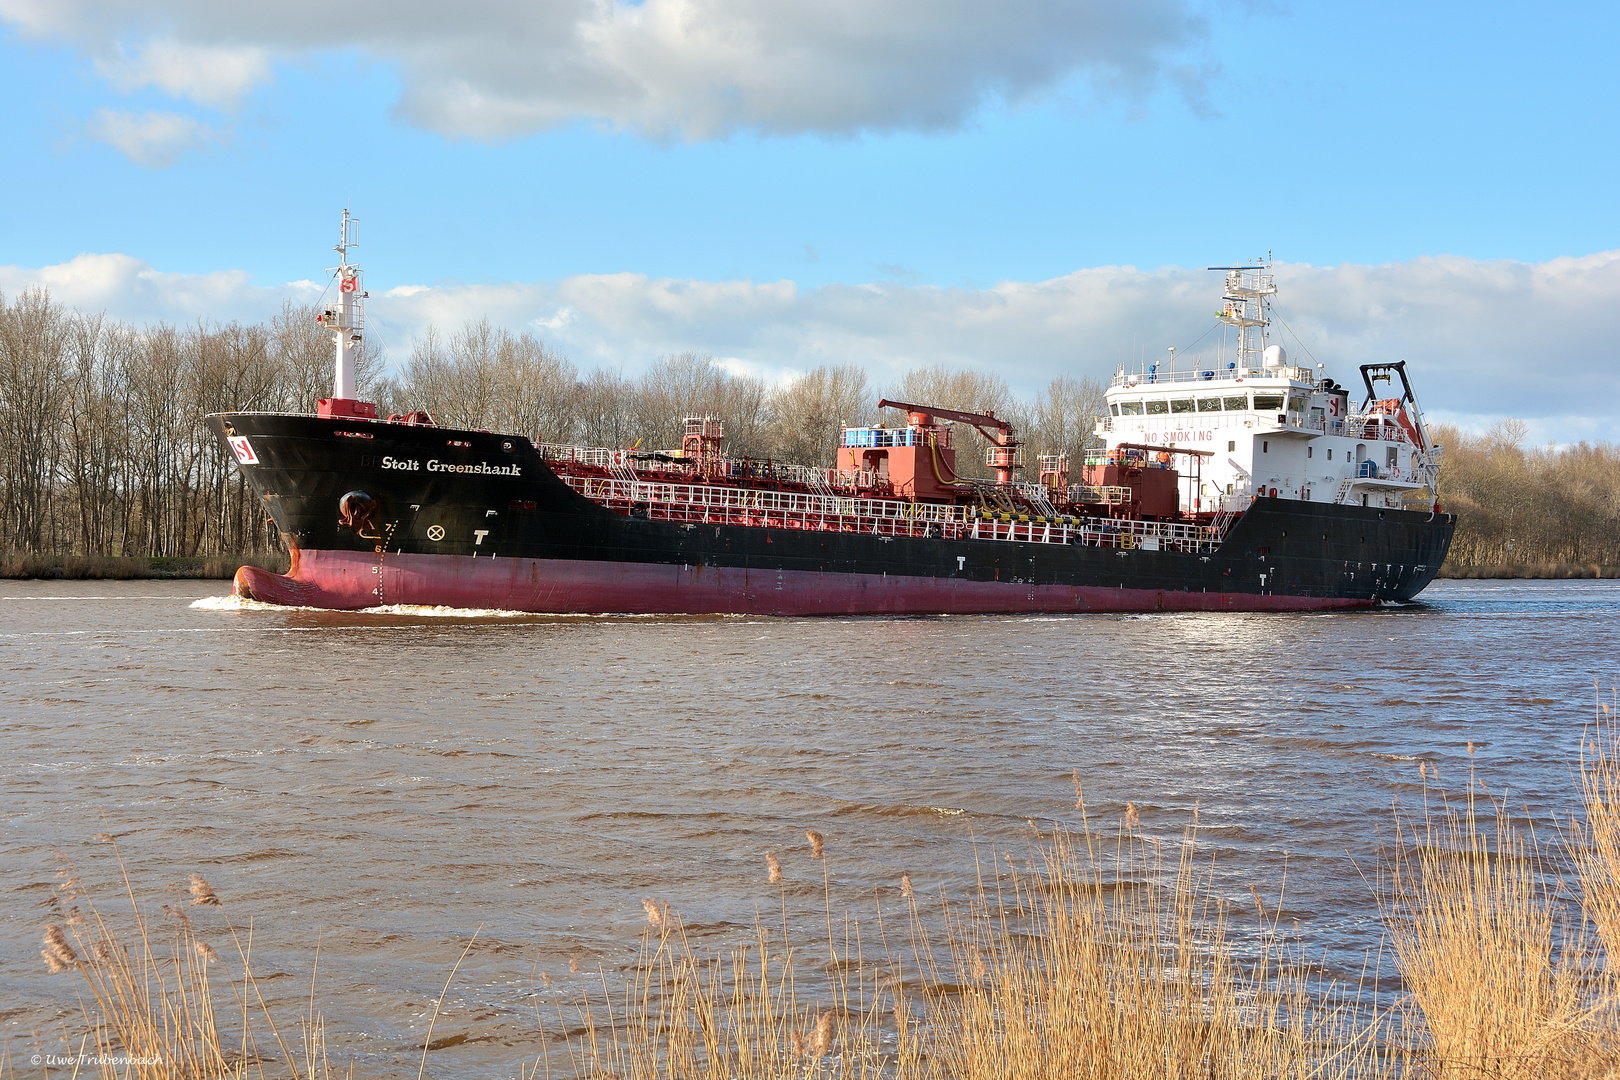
(346, 319)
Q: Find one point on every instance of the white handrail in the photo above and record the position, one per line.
(708, 504)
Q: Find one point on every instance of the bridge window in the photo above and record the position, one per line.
(1181, 405)
(1130, 408)
(1209, 404)
(1268, 402)
(1158, 408)
(1236, 404)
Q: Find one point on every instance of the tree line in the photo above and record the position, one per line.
(1529, 510)
(103, 450)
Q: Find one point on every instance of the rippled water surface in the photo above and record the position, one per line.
(395, 780)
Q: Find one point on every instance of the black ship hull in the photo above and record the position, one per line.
(383, 513)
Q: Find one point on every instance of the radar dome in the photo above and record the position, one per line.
(1274, 356)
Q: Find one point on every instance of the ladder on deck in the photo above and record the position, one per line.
(619, 466)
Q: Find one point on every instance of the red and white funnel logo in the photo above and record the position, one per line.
(243, 450)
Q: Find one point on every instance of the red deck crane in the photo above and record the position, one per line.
(1005, 452)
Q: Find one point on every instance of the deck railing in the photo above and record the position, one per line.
(695, 504)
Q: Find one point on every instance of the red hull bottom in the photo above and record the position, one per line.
(349, 580)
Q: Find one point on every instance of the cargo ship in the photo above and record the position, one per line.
(1247, 484)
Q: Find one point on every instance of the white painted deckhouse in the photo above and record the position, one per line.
(1272, 428)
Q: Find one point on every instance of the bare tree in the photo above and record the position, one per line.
(304, 350)
(1063, 420)
(809, 413)
(604, 403)
(34, 378)
(692, 384)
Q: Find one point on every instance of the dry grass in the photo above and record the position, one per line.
(132, 567)
(152, 1009)
(1091, 960)
(1477, 933)
(703, 1017)
(1597, 839)
(1540, 571)
(1119, 968)
(1500, 971)
(1103, 956)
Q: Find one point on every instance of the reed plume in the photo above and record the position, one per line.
(657, 912)
(201, 894)
(57, 952)
(818, 845)
(820, 1042)
(775, 866)
(905, 887)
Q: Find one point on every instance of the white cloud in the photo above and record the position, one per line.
(208, 75)
(1540, 341)
(693, 69)
(154, 139)
(127, 288)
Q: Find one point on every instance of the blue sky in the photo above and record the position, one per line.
(949, 146)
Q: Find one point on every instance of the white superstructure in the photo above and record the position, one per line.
(1274, 429)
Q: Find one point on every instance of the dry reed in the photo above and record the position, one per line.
(1597, 840)
(1104, 957)
(1100, 961)
(1496, 968)
(705, 1017)
(152, 1011)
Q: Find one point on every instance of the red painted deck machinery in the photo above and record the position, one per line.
(902, 480)
(919, 462)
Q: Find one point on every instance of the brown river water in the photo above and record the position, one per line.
(391, 782)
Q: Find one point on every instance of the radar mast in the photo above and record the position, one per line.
(1248, 307)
